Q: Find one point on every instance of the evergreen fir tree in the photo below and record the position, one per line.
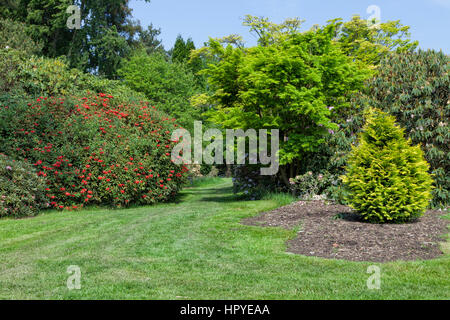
(179, 50)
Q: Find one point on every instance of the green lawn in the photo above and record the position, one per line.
(195, 249)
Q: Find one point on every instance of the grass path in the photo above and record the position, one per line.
(195, 249)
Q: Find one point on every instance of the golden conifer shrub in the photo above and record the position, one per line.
(387, 178)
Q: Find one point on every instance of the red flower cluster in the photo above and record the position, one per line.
(94, 150)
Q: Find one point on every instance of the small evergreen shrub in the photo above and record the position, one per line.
(387, 178)
(22, 192)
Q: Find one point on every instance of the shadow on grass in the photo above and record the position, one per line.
(208, 195)
(227, 197)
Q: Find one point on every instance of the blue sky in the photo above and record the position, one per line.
(201, 19)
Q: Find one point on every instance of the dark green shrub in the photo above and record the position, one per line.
(415, 88)
(247, 179)
(13, 36)
(311, 185)
(387, 177)
(22, 192)
(10, 60)
(205, 169)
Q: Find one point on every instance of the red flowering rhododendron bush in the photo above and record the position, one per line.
(93, 150)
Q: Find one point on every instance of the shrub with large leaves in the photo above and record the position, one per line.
(41, 76)
(22, 192)
(387, 177)
(415, 88)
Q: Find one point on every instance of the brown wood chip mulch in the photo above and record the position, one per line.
(334, 231)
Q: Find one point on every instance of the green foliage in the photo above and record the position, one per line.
(295, 85)
(280, 198)
(415, 88)
(8, 7)
(148, 40)
(182, 52)
(108, 51)
(10, 60)
(310, 184)
(12, 36)
(205, 169)
(40, 76)
(121, 92)
(94, 149)
(22, 192)
(268, 32)
(106, 35)
(387, 177)
(166, 84)
(45, 76)
(247, 179)
(369, 43)
(45, 23)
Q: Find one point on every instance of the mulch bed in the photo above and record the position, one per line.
(334, 231)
